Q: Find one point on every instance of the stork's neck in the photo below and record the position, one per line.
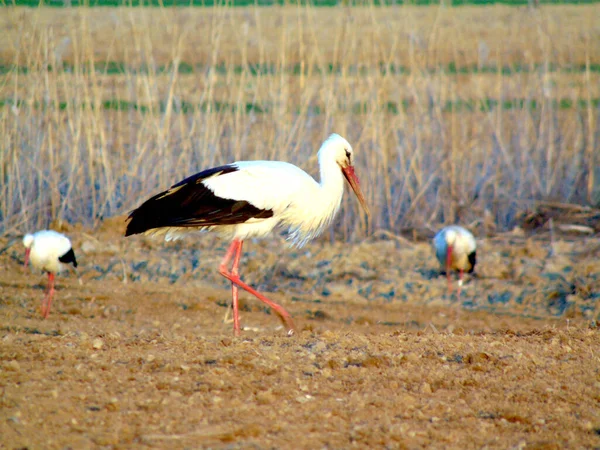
(332, 181)
(320, 204)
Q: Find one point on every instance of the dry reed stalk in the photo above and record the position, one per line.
(429, 149)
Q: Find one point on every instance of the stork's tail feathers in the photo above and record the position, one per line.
(472, 261)
(69, 258)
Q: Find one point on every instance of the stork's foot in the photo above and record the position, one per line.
(46, 303)
(227, 317)
(289, 323)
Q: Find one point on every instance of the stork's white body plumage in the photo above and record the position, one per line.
(249, 199)
(296, 200)
(455, 249)
(51, 252)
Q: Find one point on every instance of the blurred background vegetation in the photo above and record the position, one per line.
(324, 3)
(473, 114)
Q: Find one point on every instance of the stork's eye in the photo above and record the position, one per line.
(347, 153)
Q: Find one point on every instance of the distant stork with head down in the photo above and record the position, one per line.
(48, 251)
(455, 249)
(249, 199)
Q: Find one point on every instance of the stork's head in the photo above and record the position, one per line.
(340, 150)
(28, 243)
(451, 236)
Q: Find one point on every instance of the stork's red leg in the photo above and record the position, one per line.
(449, 268)
(449, 281)
(460, 281)
(231, 251)
(232, 276)
(47, 301)
(234, 288)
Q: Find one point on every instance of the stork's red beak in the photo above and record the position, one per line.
(449, 257)
(354, 184)
(27, 251)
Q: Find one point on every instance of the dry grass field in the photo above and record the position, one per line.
(457, 114)
(486, 116)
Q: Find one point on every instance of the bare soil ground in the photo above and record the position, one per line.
(135, 353)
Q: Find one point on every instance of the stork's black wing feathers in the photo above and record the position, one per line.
(68, 257)
(472, 260)
(190, 203)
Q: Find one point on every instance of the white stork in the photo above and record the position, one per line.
(248, 199)
(455, 249)
(48, 251)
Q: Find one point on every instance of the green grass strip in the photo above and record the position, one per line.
(118, 68)
(357, 108)
(245, 3)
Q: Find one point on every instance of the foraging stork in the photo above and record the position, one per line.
(455, 249)
(249, 199)
(48, 251)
